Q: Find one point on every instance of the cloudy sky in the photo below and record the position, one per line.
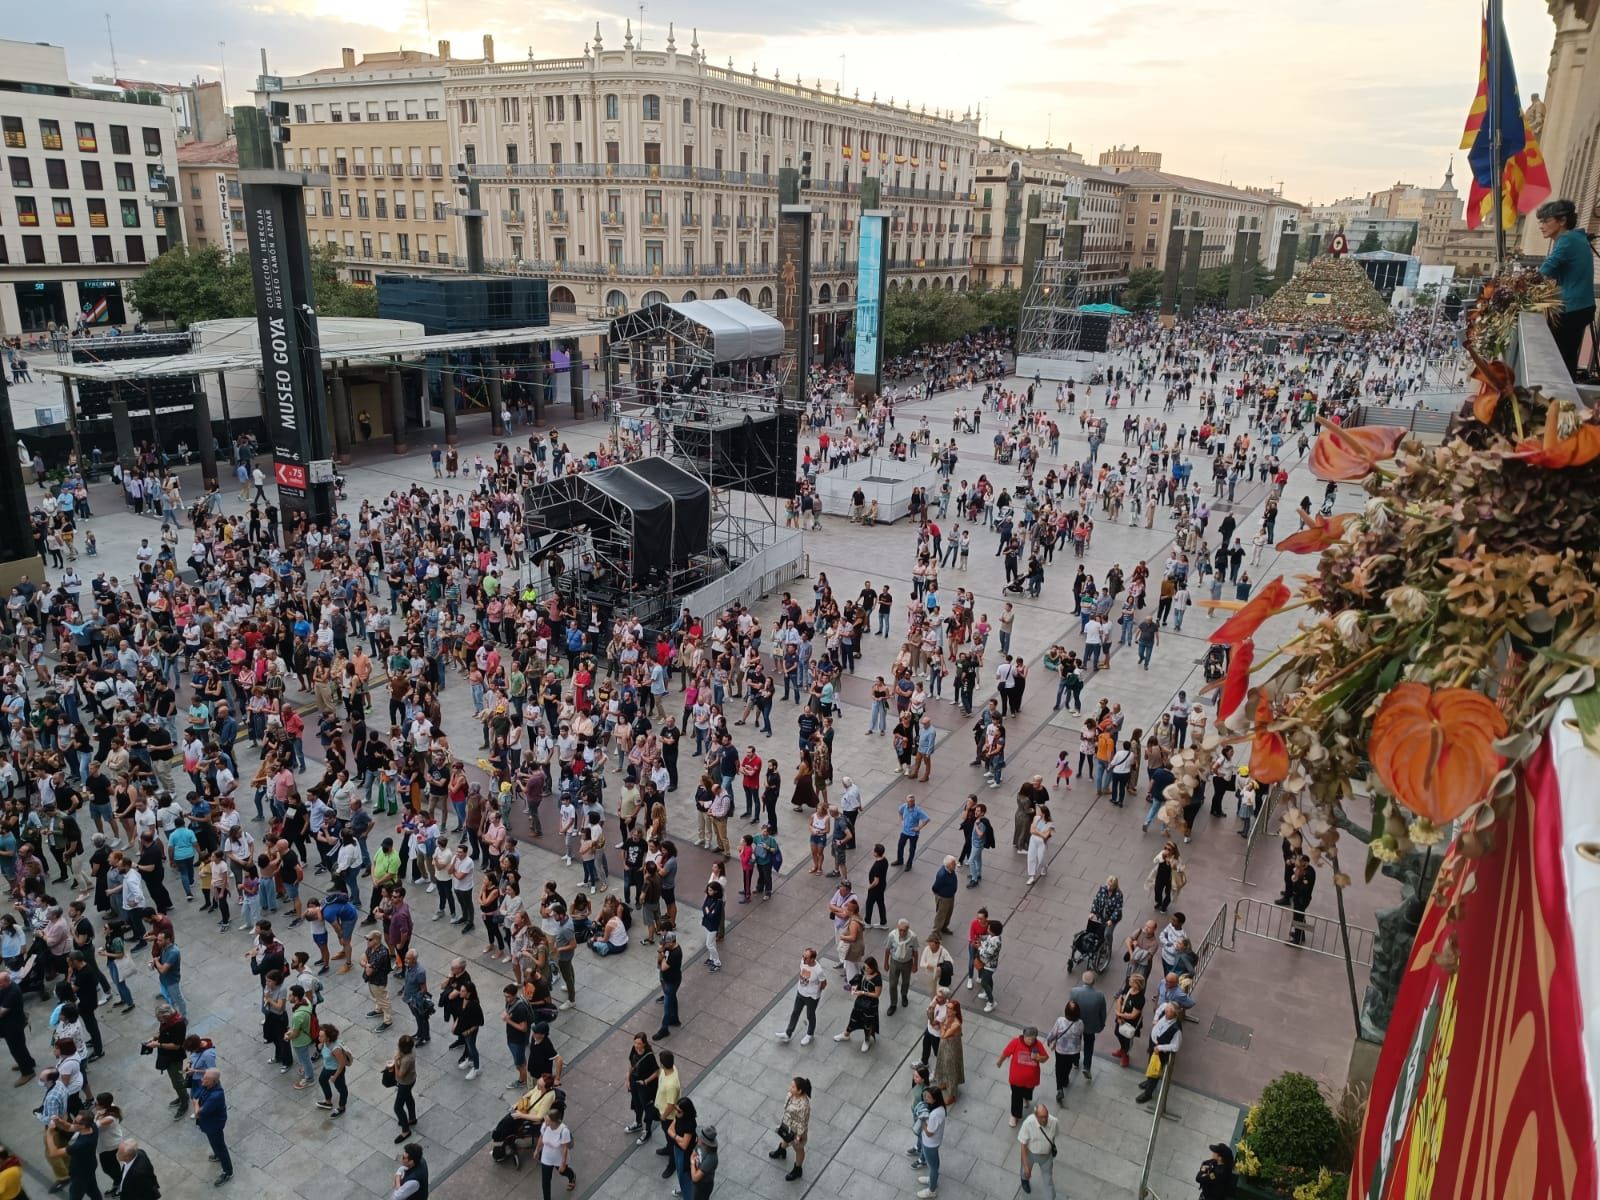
(1329, 99)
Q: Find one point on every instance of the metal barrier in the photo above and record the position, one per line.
(1417, 420)
(1276, 923)
(1258, 828)
(1210, 942)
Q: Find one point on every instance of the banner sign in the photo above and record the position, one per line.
(284, 382)
(870, 281)
(224, 217)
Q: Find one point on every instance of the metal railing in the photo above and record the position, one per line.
(1265, 810)
(1417, 420)
(1320, 935)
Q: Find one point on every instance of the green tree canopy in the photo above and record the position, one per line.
(913, 319)
(1143, 289)
(1370, 243)
(187, 285)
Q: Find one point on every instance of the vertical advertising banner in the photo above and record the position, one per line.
(871, 279)
(224, 216)
(794, 294)
(284, 379)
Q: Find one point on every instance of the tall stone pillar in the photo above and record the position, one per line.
(1172, 269)
(1237, 294)
(447, 388)
(397, 409)
(539, 383)
(342, 423)
(203, 434)
(1192, 250)
(121, 427)
(580, 381)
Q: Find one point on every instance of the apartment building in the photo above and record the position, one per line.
(208, 191)
(1129, 158)
(1105, 244)
(377, 125)
(631, 176)
(1008, 177)
(1152, 197)
(83, 164)
(1437, 212)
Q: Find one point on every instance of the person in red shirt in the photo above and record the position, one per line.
(975, 933)
(580, 689)
(750, 777)
(1025, 1053)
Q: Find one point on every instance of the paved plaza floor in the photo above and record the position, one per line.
(1262, 1008)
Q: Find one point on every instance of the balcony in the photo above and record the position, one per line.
(768, 223)
(611, 219)
(720, 220)
(653, 220)
(691, 220)
(555, 216)
(513, 216)
(396, 171)
(744, 222)
(340, 170)
(416, 170)
(435, 170)
(825, 224)
(628, 171)
(359, 170)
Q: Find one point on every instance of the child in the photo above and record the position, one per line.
(250, 897)
(747, 865)
(1064, 768)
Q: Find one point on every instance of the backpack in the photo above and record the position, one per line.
(776, 857)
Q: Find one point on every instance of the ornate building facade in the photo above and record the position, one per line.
(1568, 117)
(628, 176)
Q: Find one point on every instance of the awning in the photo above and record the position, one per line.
(738, 330)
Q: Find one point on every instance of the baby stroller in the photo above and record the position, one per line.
(1091, 947)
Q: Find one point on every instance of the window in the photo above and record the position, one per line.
(344, 204)
(688, 158)
(577, 152)
(336, 112)
(399, 206)
(363, 206)
(651, 108)
(688, 112)
(86, 139)
(555, 152)
(654, 256)
(382, 210)
(744, 161)
(130, 214)
(613, 251)
(511, 152)
(135, 245)
(652, 154)
(15, 137)
(468, 111)
(413, 111)
(21, 171)
(69, 248)
(611, 109)
(1155, 198)
(155, 177)
(32, 248)
(27, 210)
(613, 152)
(92, 180)
(558, 249)
(577, 108)
(555, 108)
(430, 109)
(102, 248)
(1154, 218)
(61, 206)
(152, 147)
(404, 241)
(391, 110)
(49, 134)
(97, 213)
(716, 158)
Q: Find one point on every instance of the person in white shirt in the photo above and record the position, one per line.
(807, 991)
(1036, 1145)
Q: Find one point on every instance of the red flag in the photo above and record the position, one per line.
(1480, 102)
(1524, 185)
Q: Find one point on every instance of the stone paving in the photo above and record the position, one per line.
(1291, 1007)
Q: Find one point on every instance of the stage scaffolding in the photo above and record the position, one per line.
(1051, 325)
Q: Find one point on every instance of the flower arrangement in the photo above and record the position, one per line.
(1291, 1138)
(1502, 300)
(1448, 619)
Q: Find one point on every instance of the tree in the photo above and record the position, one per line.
(912, 319)
(1143, 289)
(188, 285)
(1370, 243)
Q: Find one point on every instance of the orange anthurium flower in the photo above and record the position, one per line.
(1318, 535)
(1248, 619)
(1558, 453)
(1269, 752)
(1237, 681)
(1496, 382)
(1345, 454)
(1435, 749)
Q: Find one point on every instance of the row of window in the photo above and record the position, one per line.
(339, 111)
(69, 249)
(88, 141)
(384, 248)
(655, 253)
(65, 216)
(745, 120)
(20, 168)
(327, 202)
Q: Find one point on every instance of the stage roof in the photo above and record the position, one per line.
(722, 330)
(203, 363)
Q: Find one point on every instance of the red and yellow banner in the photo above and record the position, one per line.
(1481, 1091)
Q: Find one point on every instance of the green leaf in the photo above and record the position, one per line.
(1390, 674)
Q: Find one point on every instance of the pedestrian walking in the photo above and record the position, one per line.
(1166, 1039)
(988, 961)
(555, 1149)
(1041, 831)
(867, 989)
(1091, 1006)
(1065, 1040)
(1036, 1146)
(137, 1175)
(1025, 1054)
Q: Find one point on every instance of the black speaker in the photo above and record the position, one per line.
(1094, 330)
(786, 452)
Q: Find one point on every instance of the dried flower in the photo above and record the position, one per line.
(1408, 603)
(1424, 832)
(1385, 849)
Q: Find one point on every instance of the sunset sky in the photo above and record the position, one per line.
(1329, 99)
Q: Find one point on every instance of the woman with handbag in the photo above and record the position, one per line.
(1127, 1015)
(950, 1066)
(794, 1126)
(868, 986)
(401, 1074)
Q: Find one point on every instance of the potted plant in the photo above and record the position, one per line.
(1293, 1144)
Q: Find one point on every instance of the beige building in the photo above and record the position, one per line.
(1008, 177)
(1152, 197)
(1129, 158)
(1469, 251)
(1437, 211)
(1105, 240)
(628, 176)
(84, 166)
(1568, 118)
(208, 190)
(377, 125)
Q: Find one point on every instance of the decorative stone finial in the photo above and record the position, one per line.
(598, 44)
(627, 37)
(672, 42)
(694, 39)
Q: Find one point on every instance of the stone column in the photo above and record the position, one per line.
(447, 386)
(539, 382)
(121, 427)
(202, 431)
(342, 431)
(497, 419)
(397, 410)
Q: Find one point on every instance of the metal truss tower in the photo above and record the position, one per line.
(1051, 325)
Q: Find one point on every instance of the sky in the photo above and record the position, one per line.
(1329, 100)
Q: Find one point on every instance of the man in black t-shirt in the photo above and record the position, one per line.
(669, 969)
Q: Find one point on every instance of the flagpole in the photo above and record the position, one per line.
(1496, 120)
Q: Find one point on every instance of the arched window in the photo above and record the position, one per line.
(720, 294)
(825, 295)
(950, 283)
(653, 298)
(744, 295)
(690, 295)
(562, 295)
(922, 285)
(652, 108)
(962, 286)
(765, 302)
(843, 293)
(617, 301)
